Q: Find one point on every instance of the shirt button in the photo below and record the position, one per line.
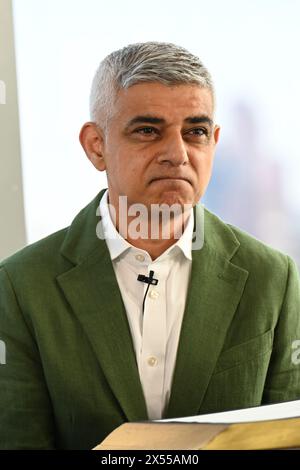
(140, 258)
(152, 361)
(153, 294)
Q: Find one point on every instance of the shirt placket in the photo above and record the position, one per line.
(154, 341)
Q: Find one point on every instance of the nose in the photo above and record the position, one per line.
(173, 151)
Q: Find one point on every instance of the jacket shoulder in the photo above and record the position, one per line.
(250, 252)
(60, 250)
(251, 247)
(38, 255)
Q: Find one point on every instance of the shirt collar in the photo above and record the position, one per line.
(117, 245)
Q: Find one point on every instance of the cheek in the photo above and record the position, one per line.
(124, 169)
(203, 165)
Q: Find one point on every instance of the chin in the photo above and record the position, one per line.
(170, 199)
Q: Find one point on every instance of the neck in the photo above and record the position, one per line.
(154, 234)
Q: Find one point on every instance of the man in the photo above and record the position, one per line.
(103, 322)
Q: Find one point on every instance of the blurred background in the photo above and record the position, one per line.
(251, 50)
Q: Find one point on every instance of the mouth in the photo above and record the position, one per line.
(171, 178)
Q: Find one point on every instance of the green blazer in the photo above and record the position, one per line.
(69, 374)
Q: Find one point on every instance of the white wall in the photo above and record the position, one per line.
(12, 227)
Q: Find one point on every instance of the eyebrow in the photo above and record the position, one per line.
(157, 120)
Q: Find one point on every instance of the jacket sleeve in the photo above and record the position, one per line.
(283, 378)
(26, 417)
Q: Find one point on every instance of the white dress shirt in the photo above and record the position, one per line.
(155, 333)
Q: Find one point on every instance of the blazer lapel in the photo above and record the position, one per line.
(215, 289)
(92, 291)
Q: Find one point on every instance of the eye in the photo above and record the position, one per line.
(146, 130)
(198, 131)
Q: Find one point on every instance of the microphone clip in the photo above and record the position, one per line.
(148, 280)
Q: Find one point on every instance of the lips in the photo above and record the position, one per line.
(170, 178)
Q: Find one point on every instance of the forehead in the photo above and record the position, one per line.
(169, 102)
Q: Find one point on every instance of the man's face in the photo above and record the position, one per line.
(159, 144)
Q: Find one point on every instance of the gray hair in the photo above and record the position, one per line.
(161, 62)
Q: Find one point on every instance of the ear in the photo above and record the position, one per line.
(216, 133)
(91, 139)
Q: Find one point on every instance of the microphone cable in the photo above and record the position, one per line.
(148, 280)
